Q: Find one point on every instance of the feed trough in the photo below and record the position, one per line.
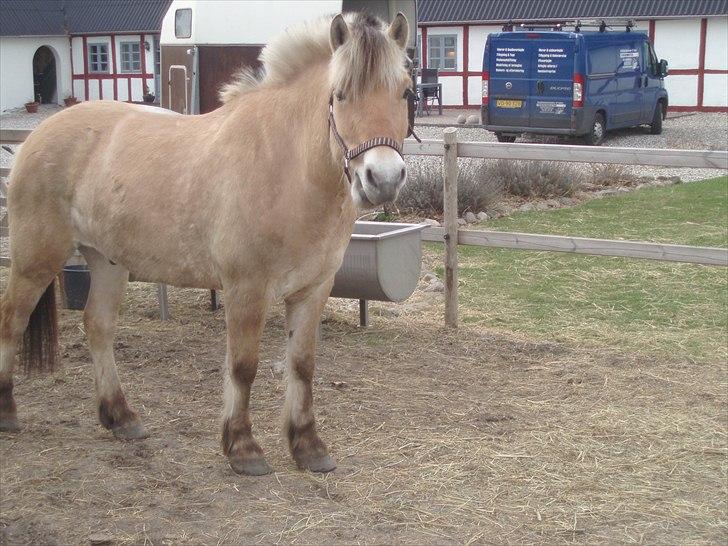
(382, 263)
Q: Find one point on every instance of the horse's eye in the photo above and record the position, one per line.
(339, 96)
(408, 93)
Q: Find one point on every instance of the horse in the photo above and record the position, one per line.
(195, 201)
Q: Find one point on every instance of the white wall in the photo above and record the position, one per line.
(715, 90)
(16, 63)
(682, 90)
(678, 41)
(716, 44)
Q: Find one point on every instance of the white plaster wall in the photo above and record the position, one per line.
(108, 88)
(475, 90)
(477, 38)
(439, 31)
(716, 44)
(77, 56)
(93, 89)
(78, 90)
(678, 41)
(16, 68)
(452, 89)
(715, 90)
(682, 90)
(241, 21)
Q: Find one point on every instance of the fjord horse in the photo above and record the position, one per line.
(196, 201)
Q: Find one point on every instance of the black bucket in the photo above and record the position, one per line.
(76, 284)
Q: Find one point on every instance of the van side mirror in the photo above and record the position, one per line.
(663, 68)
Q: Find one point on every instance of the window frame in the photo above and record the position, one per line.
(441, 47)
(132, 70)
(98, 55)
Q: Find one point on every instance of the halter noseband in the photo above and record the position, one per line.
(351, 153)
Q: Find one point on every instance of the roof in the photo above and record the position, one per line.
(59, 17)
(500, 11)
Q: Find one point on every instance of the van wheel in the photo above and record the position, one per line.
(505, 138)
(596, 136)
(656, 125)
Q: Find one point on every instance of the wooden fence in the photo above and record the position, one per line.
(451, 149)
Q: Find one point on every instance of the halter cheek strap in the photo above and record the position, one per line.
(351, 153)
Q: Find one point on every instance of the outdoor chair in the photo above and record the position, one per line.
(430, 94)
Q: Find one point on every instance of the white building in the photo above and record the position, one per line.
(89, 49)
(692, 35)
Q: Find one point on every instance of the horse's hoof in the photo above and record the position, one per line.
(316, 463)
(133, 430)
(9, 424)
(250, 467)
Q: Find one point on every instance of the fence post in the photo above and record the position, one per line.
(163, 301)
(450, 187)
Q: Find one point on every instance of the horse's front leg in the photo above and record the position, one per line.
(303, 313)
(245, 311)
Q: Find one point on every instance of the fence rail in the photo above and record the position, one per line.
(450, 149)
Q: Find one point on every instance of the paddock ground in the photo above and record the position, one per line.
(441, 437)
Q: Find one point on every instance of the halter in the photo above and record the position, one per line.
(351, 153)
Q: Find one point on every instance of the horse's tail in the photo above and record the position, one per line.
(39, 352)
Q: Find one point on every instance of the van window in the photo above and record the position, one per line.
(183, 23)
(603, 60)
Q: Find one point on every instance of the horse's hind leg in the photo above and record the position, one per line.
(303, 313)
(108, 285)
(23, 292)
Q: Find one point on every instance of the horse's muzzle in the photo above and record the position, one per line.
(381, 173)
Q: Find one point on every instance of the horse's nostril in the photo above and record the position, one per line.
(402, 173)
(370, 177)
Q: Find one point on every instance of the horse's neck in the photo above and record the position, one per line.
(301, 112)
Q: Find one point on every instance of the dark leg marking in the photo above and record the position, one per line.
(8, 415)
(244, 454)
(115, 415)
(308, 450)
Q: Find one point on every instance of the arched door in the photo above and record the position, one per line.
(44, 76)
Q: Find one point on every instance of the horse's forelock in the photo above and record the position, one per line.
(368, 60)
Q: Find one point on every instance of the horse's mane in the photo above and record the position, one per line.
(369, 59)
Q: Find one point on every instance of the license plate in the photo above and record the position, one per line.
(502, 103)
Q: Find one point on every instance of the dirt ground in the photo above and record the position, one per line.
(441, 437)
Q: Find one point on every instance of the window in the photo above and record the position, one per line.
(183, 23)
(98, 57)
(442, 51)
(131, 58)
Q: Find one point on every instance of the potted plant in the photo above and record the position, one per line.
(148, 95)
(32, 106)
(70, 100)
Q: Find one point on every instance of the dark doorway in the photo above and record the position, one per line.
(44, 76)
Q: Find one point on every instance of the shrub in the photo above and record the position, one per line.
(605, 174)
(537, 178)
(423, 192)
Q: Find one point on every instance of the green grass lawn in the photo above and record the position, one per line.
(656, 307)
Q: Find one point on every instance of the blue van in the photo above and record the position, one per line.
(556, 82)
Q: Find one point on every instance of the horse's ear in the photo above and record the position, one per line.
(399, 30)
(339, 33)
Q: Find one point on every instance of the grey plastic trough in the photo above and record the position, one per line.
(382, 262)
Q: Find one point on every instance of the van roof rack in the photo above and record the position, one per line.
(576, 24)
